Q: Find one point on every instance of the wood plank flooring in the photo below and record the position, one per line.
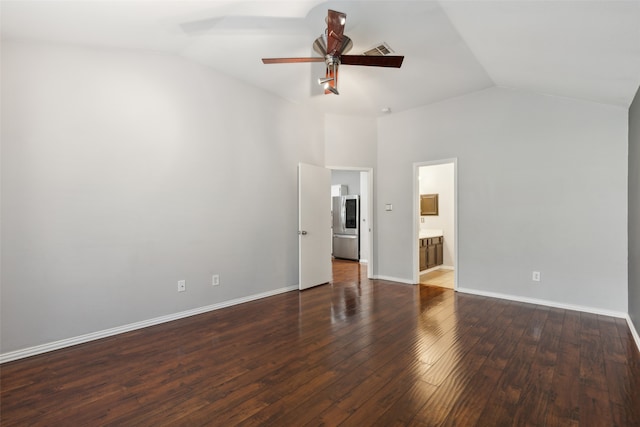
(443, 278)
(353, 353)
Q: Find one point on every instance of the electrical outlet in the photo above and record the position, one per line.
(535, 276)
(215, 280)
(182, 285)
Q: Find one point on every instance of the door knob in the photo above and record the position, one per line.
(304, 233)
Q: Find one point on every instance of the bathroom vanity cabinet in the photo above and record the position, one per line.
(431, 251)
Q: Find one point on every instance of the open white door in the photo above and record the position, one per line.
(314, 225)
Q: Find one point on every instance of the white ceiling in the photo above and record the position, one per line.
(582, 49)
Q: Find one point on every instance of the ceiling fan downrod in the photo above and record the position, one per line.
(331, 59)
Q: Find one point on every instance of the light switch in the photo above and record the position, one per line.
(388, 207)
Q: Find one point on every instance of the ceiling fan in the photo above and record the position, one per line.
(333, 45)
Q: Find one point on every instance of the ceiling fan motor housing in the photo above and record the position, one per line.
(320, 45)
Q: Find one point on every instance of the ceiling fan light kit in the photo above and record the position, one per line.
(333, 45)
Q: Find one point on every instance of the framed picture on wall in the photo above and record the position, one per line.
(428, 204)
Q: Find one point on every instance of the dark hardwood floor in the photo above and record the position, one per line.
(354, 353)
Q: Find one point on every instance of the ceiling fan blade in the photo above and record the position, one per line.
(290, 60)
(335, 30)
(372, 61)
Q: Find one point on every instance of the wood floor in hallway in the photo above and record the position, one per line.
(443, 278)
(355, 352)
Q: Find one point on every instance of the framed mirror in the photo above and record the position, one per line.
(428, 204)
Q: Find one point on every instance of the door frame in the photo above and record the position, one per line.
(416, 216)
(370, 261)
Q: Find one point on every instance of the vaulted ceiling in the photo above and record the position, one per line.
(582, 49)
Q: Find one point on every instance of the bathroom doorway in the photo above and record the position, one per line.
(436, 223)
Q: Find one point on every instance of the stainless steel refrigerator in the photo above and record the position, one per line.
(346, 230)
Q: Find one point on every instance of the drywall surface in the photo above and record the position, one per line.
(124, 172)
(439, 179)
(350, 141)
(634, 211)
(542, 185)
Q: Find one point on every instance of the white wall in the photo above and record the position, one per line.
(123, 172)
(542, 185)
(634, 211)
(439, 179)
(350, 141)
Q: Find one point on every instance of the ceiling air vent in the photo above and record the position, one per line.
(381, 49)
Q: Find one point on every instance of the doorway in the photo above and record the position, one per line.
(435, 223)
(359, 181)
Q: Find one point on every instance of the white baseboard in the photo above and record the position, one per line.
(547, 303)
(394, 279)
(634, 332)
(68, 342)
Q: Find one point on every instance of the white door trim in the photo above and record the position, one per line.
(416, 216)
